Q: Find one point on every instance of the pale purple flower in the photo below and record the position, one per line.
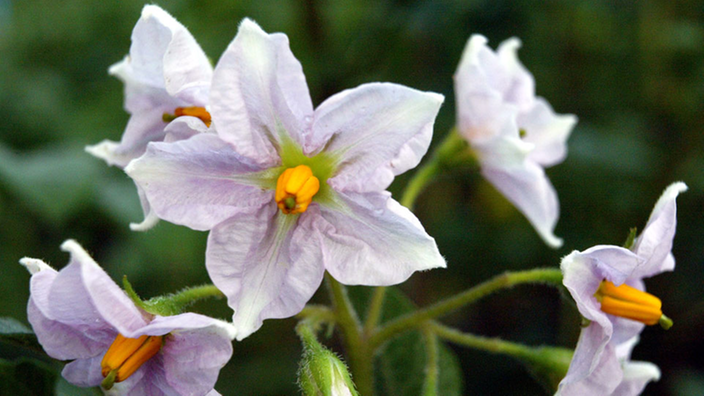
(514, 133)
(78, 312)
(601, 364)
(165, 70)
(269, 263)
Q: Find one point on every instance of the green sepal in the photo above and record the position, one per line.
(631, 238)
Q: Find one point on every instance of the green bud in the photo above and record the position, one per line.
(324, 374)
(321, 372)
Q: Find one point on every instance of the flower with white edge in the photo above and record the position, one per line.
(80, 314)
(167, 77)
(288, 192)
(514, 133)
(606, 282)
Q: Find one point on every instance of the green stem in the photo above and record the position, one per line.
(493, 345)
(430, 386)
(550, 276)
(306, 333)
(361, 356)
(417, 184)
(448, 154)
(192, 294)
(374, 312)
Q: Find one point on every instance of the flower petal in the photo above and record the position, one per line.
(636, 376)
(370, 239)
(547, 131)
(375, 131)
(259, 96)
(143, 127)
(197, 182)
(591, 373)
(487, 104)
(165, 55)
(84, 372)
(266, 263)
(150, 218)
(84, 296)
(529, 189)
(655, 242)
(183, 128)
(68, 342)
(192, 359)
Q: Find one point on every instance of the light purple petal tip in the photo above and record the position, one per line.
(655, 242)
(370, 239)
(259, 96)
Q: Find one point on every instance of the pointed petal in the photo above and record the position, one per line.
(636, 375)
(529, 189)
(487, 90)
(520, 85)
(259, 96)
(197, 182)
(655, 242)
(83, 295)
(67, 342)
(165, 55)
(150, 218)
(143, 127)
(375, 131)
(268, 265)
(35, 265)
(60, 341)
(370, 239)
(547, 131)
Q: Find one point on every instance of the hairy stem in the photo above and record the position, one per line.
(414, 319)
(361, 356)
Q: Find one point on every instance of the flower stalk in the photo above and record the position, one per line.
(550, 276)
(360, 351)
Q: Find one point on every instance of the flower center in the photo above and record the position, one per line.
(631, 303)
(193, 111)
(295, 189)
(126, 355)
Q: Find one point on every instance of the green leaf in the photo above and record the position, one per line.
(13, 326)
(25, 376)
(401, 363)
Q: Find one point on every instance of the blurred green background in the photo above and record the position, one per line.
(632, 71)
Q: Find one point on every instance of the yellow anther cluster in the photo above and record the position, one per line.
(295, 189)
(126, 355)
(193, 111)
(628, 302)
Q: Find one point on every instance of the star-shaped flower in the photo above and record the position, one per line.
(514, 133)
(167, 75)
(80, 314)
(606, 282)
(289, 192)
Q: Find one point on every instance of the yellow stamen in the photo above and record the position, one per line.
(295, 189)
(193, 111)
(126, 355)
(630, 303)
